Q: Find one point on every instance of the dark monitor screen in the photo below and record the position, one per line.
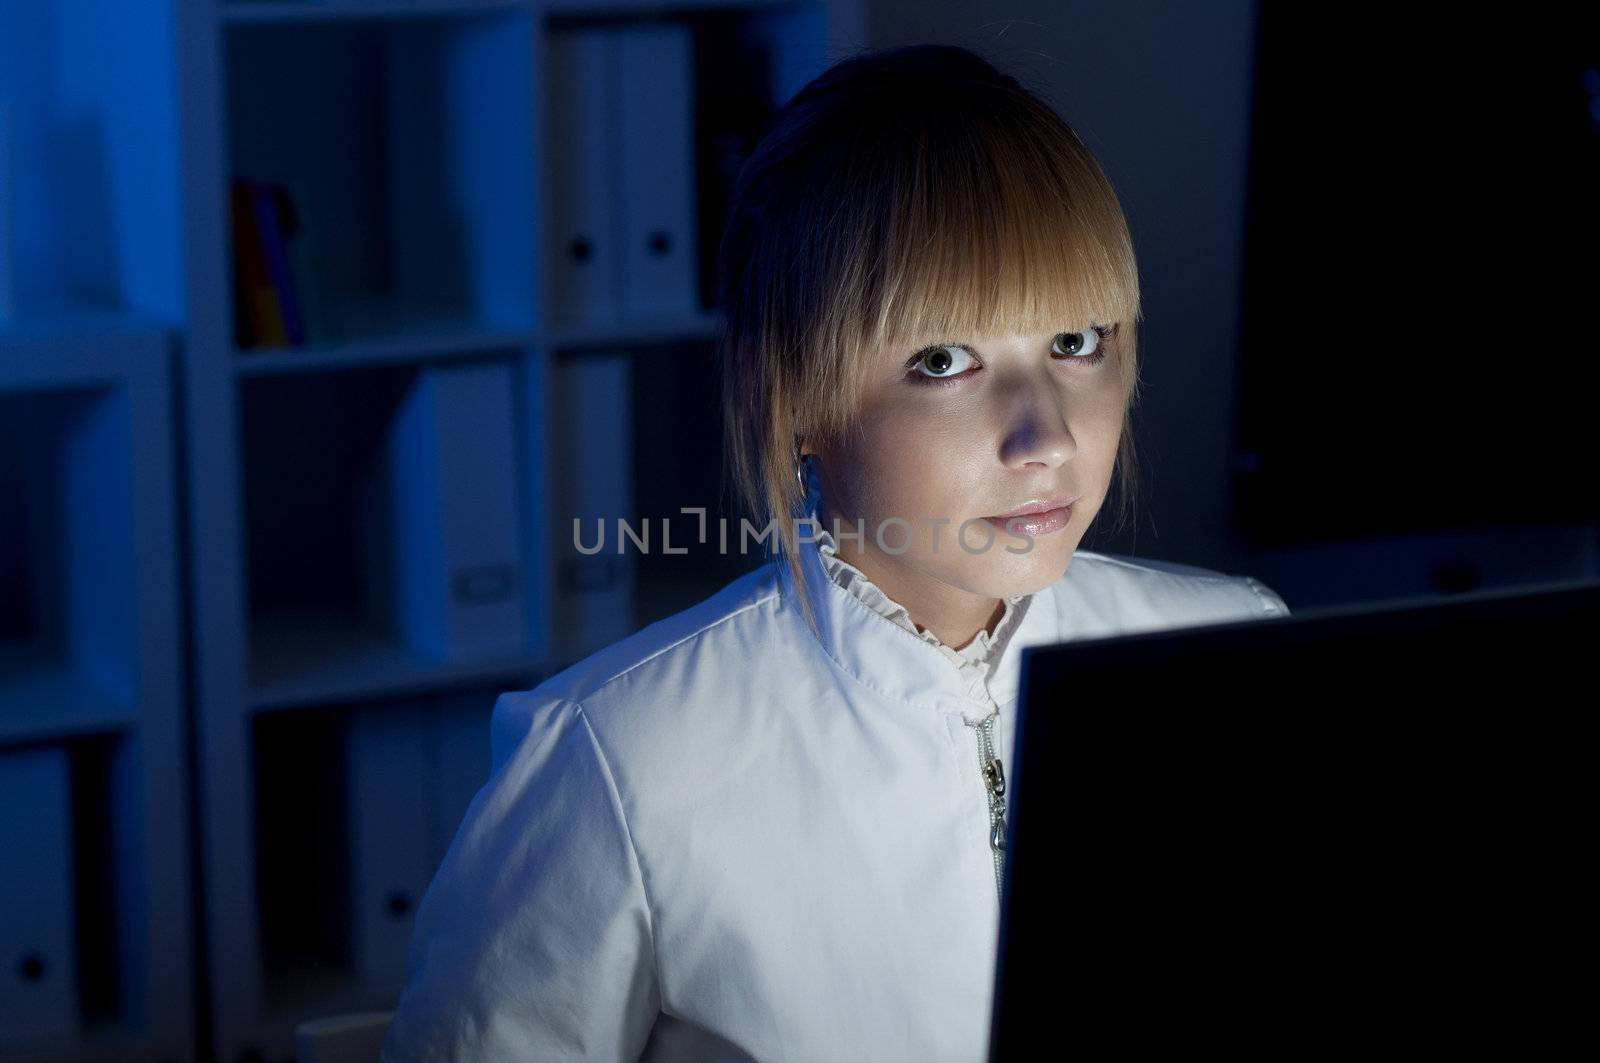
(1422, 253)
(1351, 830)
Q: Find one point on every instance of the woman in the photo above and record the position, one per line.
(769, 827)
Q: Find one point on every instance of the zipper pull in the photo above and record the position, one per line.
(995, 776)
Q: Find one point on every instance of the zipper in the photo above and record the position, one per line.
(994, 784)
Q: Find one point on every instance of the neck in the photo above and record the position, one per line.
(953, 615)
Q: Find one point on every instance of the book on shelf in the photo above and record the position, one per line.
(440, 517)
(274, 216)
(275, 283)
(623, 238)
(388, 772)
(258, 318)
(38, 934)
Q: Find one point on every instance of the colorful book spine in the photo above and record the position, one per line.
(273, 218)
(258, 318)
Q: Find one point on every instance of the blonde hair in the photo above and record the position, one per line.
(903, 194)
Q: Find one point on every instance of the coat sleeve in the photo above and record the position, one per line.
(1272, 603)
(535, 938)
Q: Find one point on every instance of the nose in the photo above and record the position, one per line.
(1038, 436)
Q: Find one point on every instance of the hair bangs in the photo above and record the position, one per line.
(988, 229)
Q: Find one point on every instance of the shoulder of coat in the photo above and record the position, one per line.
(1117, 588)
(1109, 565)
(746, 599)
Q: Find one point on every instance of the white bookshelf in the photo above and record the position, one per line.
(258, 600)
(418, 139)
(94, 801)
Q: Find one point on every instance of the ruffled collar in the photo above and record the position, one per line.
(978, 654)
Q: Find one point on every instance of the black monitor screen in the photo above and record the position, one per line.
(1421, 287)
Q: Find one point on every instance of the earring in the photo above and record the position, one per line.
(800, 469)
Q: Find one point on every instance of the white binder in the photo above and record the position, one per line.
(460, 745)
(660, 264)
(595, 591)
(582, 246)
(454, 578)
(38, 941)
(386, 768)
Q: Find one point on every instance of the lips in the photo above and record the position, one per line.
(1038, 505)
(1042, 516)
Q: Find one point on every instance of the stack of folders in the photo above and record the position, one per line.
(443, 530)
(622, 183)
(38, 941)
(412, 770)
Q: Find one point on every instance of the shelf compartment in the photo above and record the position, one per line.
(70, 899)
(356, 806)
(404, 146)
(660, 451)
(383, 526)
(92, 191)
(677, 462)
(67, 561)
(649, 121)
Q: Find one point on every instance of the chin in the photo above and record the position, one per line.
(1031, 572)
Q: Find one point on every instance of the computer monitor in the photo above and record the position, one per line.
(1355, 830)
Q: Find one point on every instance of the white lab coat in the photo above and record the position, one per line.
(725, 839)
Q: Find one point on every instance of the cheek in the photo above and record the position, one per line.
(914, 465)
(1095, 417)
(1109, 427)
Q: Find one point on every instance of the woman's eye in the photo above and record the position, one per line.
(947, 362)
(942, 362)
(1084, 346)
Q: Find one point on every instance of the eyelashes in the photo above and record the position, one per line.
(956, 360)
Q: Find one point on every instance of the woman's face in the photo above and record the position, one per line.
(951, 435)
